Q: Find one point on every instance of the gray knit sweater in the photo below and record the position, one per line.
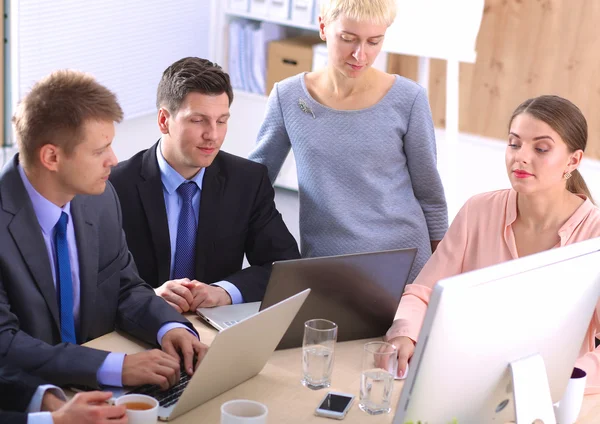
(367, 178)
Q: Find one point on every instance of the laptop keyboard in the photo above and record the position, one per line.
(228, 324)
(168, 397)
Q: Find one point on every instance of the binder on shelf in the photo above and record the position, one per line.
(259, 7)
(248, 57)
(236, 29)
(262, 37)
(239, 5)
(279, 9)
(303, 11)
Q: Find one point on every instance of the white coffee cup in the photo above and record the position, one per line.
(567, 409)
(139, 416)
(242, 411)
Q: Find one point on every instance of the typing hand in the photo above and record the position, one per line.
(90, 408)
(206, 296)
(406, 349)
(178, 294)
(151, 367)
(181, 340)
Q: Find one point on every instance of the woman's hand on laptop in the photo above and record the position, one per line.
(181, 340)
(151, 367)
(178, 294)
(406, 349)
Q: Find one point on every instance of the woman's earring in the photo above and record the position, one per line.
(567, 175)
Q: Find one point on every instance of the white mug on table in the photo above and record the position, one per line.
(242, 411)
(141, 409)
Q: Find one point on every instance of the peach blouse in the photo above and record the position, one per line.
(481, 235)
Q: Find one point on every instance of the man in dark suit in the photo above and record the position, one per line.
(25, 399)
(190, 211)
(66, 273)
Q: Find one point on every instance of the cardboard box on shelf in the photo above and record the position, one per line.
(289, 57)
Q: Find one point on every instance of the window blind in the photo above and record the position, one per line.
(126, 45)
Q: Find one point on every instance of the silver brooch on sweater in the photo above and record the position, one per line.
(305, 108)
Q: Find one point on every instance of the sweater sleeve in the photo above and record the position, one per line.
(273, 142)
(445, 262)
(420, 150)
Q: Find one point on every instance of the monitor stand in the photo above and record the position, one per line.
(532, 397)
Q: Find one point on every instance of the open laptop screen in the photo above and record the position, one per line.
(359, 292)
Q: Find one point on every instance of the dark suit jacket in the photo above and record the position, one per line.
(16, 390)
(237, 216)
(112, 293)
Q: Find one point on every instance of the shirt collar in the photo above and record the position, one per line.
(511, 208)
(573, 222)
(567, 228)
(47, 213)
(171, 179)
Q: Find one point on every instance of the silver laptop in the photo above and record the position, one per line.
(359, 292)
(226, 316)
(258, 333)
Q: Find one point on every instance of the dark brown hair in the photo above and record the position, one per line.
(567, 120)
(56, 108)
(191, 75)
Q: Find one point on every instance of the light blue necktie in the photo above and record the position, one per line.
(65, 282)
(185, 252)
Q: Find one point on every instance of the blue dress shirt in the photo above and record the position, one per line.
(171, 180)
(35, 405)
(47, 213)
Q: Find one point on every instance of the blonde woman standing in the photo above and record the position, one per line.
(363, 141)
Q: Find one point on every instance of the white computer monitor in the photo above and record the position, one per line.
(526, 317)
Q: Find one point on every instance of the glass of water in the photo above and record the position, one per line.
(379, 367)
(320, 336)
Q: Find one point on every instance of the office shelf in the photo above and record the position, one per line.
(284, 22)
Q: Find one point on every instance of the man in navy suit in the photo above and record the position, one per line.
(192, 250)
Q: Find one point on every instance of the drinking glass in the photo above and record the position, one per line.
(318, 345)
(379, 367)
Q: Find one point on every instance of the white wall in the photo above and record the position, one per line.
(134, 135)
(476, 165)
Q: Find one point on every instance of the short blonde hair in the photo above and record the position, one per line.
(381, 12)
(56, 108)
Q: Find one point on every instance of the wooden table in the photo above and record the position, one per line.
(278, 384)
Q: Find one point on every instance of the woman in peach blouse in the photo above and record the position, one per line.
(548, 206)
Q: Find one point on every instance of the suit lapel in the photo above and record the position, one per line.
(86, 237)
(27, 234)
(212, 192)
(153, 203)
